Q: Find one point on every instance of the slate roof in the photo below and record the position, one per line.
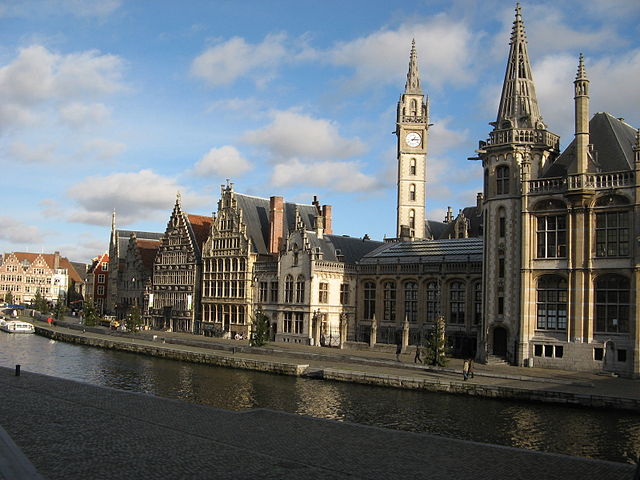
(435, 229)
(349, 249)
(124, 235)
(475, 224)
(427, 251)
(613, 141)
(255, 212)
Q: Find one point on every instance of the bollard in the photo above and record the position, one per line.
(17, 370)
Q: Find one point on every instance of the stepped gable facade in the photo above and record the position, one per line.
(561, 255)
(137, 273)
(97, 281)
(245, 230)
(176, 284)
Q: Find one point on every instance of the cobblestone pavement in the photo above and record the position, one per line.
(71, 430)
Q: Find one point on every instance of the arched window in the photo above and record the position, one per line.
(612, 303)
(456, 302)
(433, 295)
(389, 301)
(412, 219)
(502, 180)
(411, 301)
(288, 289)
(552, 303)
(412, 192)
(369, 300)
(414, 107)
(300, 289)
(412, 166)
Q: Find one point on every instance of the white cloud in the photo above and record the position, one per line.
(336, 176)
(15, 231)
(36, 154)
(442, 138)
(225, 161)
(225, 62)
(295, 135)
(102, 149)
(134, 196)
(79, 115)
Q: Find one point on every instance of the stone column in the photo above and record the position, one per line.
(343, 329)
(405, 334)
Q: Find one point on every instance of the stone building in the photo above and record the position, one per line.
(177, 268)
(244, 231)
(97, 281)
(561, 254)
(137, 273)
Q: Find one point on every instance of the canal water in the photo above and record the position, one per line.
(595, 433)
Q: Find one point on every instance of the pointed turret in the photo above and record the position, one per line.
(581, 101)
(518, 102)
(114, 238)
(413, 77)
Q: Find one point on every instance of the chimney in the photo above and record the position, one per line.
(449, 217)
(405, 233)
(479, 200)
(56, 260)
(276, 223)
(326, 213)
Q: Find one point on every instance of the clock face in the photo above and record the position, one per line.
(413, 139)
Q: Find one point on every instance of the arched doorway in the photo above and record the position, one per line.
(500, 341)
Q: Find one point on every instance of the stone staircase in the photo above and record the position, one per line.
(496, 360)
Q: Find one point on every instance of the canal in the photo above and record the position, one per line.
(594, 433)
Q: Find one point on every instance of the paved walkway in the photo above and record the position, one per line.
(71, 430)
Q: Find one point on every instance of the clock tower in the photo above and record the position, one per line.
(411, 128)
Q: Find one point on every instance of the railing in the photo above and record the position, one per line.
(582, 181)
(524, 135)
(414, 118)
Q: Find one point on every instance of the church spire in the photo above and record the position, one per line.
(518, 102)
(413, 77)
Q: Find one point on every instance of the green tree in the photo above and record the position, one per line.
(59, 309)
(134, 319)
(260, 330)
(436, 346)
(8, 298)
(90, 314)
(40, 303)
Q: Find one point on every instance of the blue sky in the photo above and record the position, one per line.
(116, 104)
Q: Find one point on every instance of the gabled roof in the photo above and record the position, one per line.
(148, 250)
(612, 140)
(201, 226)
(474, 215)
(124, 235)
(342, 248)
(49, 259)
(434, 229)
(427, 251)
(255, 213)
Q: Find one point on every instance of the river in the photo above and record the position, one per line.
(595, 433)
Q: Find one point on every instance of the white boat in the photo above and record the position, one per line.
(16, 326)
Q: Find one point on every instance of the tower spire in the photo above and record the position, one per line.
(518, 102)
(413, 77)
(581, 101)
(113, 227)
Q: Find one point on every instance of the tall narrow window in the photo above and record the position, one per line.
(300, 289)
(298, 322)
(288, 322)
(412, 219)
(477, 303)
(552, 303)
(612, 303)
(412, 166)
(502, 180)
(411, 301)
(323, 293)
(412, 192)
(456, 302)
(274, 292)
(369, 300)
(551, 236)
(262, 291)
(288, 289)
(389, 301)
(502, 223)
(501, 267)
(432, 301)
(612, 234)
(344, 294)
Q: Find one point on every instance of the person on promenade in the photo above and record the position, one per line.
(465, 370)
(398, 351)
(470, 372)
(418, 357)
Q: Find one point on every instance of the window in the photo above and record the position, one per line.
(288, 289)
(552, 236)
(297, 322)
(432, 301)
(105, 266)
(300, 289)
(612, 304)
(412, 192)
(502, 223)
(100, 290)
(502, 180)
(412, 166)
(552, 303)
(500, 305)
(369, 300)
(262, 296)
(501, 267)
(411, 301)
(598, 353)
(389, 301)
(537, 350)
(274, 292)
(456, 302)
(477, 303)
(288, 322)
(622, 355)
(559, 351)
(344, 294)
(323, 293)
(101, 278)
(612, 234)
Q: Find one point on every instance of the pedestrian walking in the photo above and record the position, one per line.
(418, 357)
(465, 370)
(471, 367)
(398, 351)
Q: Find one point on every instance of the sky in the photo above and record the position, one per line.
(120, 104)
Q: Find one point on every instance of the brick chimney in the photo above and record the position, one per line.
(276, 223)
(56, 260)
(326, 213)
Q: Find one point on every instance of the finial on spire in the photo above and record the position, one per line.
(178, 199)
(413, 78)
(517, 33)
(581, 75)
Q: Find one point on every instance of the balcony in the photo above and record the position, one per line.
(524, 135)
(582, 181)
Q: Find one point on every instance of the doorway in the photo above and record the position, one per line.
(500, 341)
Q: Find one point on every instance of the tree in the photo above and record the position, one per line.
(260, 330)
(134, 319)
(59, 309)
(90, 314)
(436, 346)
(8, 298)
(40, 303)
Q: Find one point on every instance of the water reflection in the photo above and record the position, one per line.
(610, 435)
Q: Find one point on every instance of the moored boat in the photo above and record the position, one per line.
(16, 326)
